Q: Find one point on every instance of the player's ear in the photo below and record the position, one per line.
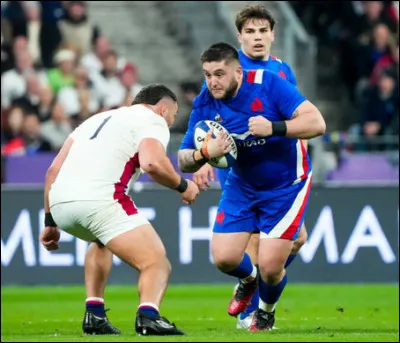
(238, 71)
(239, 37)
(272, 36)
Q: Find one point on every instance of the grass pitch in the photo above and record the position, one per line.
(305, 313)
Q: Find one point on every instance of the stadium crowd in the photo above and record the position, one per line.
(58, 68)
(364, 39)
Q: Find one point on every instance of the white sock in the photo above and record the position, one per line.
(149, 305)
(266, 307)
(100, 300)
(251, 277)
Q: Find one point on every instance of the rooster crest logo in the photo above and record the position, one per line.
(218, 118)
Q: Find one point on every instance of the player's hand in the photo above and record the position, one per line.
(202, 177)
(191, 193)
(260, 126)
(218, 146)
(49, 238)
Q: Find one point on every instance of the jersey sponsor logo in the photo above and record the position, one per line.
(253, 142)
(241, 136)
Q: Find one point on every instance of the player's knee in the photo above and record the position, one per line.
(271, 272)
(226, 262)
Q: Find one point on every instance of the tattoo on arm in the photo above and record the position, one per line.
(186, 162)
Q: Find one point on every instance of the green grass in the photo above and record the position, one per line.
(328, 313)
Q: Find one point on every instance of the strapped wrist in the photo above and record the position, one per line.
(279, 128)
(203, 159)
(183, 185)
(48, 220)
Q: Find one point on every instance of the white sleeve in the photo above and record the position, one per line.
(155, 128)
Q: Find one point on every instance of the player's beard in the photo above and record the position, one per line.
(230, 91)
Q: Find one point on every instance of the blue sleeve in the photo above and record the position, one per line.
(195, 117)
(283, 95)
(290, 75)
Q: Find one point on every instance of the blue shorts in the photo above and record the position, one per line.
(277, 213)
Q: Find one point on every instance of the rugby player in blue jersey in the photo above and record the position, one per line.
(255, 25)
(268, 188)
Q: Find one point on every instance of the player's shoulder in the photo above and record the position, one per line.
(203, 99)
(282, 63)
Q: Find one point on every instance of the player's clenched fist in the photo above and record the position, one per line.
(203, 176)
(192, 191)
(260, 126)
(50, 237)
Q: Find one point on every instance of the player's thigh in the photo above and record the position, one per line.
(252, 247)
(139, 247)
(67, 216)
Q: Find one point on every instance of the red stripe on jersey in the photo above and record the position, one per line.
(119, 193)
(282, 74)
(306, 165)
(291, 230)
(251, 76)
(273, 57)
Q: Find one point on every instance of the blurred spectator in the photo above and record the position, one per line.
(6, 51)
(50, 35)
(76, 28)
(46, 100)
(32, 141)
(129, 80)
(380, 108)
(13, 84)
(57, 129)
(388, 61)
(63, 74)
(107, 84)
(12, 124)
(368, 55)
(33, 28)
(79, 101)
(92, 61)
(30, 100)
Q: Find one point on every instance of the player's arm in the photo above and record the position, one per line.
(301, 118)
(155, 162)
(53, 171)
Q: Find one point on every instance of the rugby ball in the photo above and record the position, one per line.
(200, 131)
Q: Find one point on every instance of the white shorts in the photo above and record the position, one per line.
(91, 220)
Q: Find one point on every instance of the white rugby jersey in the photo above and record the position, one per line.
(104, 156)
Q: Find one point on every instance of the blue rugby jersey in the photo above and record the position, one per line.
(263, 162)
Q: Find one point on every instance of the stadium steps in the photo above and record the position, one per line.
(137, 32)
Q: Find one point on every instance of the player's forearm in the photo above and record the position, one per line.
(306, 125)
(164, 173)
(187, 162)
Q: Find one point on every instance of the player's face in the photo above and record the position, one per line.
(168, 111)
(222, 78)
(256, 38)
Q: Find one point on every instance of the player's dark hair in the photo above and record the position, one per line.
(153, 93)
(219, 52)
(253, 12)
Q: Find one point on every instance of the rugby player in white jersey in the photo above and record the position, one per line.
(86, 195)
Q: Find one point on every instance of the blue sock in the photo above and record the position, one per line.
(270, 294)
(252, 306)
(149, 310)
(290, 260)
(244, 269)
(95, 305)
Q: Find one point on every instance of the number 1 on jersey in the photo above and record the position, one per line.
(100, 127)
